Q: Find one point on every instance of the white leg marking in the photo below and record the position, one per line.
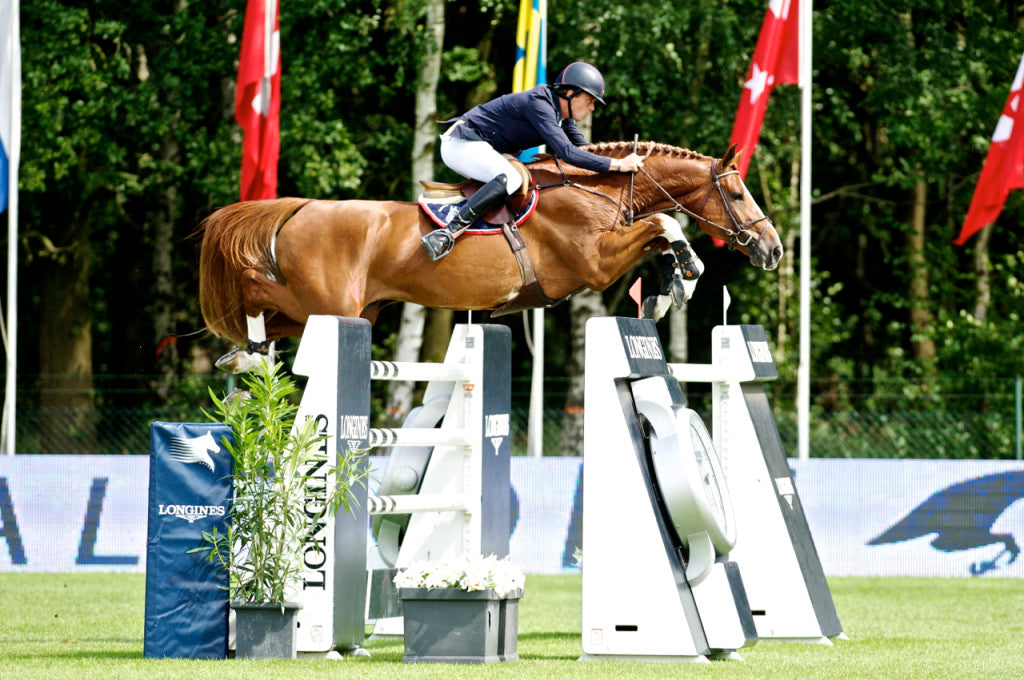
(670, 228)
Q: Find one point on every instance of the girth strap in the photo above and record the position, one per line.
(518, 245)
(530, 294)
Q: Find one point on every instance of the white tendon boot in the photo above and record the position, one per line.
(257, 351)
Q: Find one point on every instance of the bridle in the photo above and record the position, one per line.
(739, 234)
(738, 230)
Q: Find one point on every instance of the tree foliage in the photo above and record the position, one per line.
(127, 119)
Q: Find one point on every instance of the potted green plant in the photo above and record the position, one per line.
(261, 550)
(464, 610)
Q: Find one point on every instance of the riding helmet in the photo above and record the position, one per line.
(582, 76)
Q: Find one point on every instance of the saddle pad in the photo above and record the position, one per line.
(443, 210)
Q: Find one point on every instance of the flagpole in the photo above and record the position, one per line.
(268, 56)
(13, 56)
(535, 424)
(804, 367)
(534, 72)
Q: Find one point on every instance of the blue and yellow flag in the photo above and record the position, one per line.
(531, 53)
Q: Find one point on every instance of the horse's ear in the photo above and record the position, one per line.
(731, 156)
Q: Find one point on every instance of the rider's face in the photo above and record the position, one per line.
(582, 106)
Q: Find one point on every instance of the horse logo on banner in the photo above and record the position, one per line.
(195, 450)
(962, 517)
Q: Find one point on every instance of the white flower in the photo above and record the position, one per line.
(464, 573)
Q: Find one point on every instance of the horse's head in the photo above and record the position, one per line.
(730, 214)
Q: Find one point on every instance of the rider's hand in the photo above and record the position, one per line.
(630, 163)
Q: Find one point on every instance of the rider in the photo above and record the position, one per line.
(474, 144)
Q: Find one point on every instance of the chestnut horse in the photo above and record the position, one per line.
(265, 266)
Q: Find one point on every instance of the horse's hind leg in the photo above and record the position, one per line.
(256, 351)
(261, 294)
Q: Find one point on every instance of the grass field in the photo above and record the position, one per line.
(90, 626)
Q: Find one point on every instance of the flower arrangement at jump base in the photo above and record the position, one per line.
(465, 573)
(464, 610)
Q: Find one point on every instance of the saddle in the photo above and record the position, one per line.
(440, 201)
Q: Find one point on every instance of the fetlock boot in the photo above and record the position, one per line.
(672, 285)
(690, 265)
(440, 242)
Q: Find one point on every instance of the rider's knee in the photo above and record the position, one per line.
(513, 182)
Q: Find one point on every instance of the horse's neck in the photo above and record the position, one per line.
(668, 180)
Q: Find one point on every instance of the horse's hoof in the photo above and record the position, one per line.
(647, 307)
(678, 293)
(239, 361)
(655, 307)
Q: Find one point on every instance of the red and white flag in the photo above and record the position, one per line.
(776, 61)
(1004, 165)
(258, 100)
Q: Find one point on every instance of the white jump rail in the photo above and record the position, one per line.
(385, 505)
(417, 372)
(417, 436)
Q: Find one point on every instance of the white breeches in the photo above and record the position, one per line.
(478, 160)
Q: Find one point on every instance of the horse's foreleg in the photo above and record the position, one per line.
(680, 270)
(256, 351)
(670, 291)
(689, 264)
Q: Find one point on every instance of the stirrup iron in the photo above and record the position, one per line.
(438, 243)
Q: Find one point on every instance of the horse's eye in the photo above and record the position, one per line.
(737, 196)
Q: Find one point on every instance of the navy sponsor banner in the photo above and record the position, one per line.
(914, 517)
(642, 347)
(497, 444)
(189, 493)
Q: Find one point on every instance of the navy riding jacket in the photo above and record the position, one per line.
(522, 120)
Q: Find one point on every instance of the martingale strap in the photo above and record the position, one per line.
(530, 295)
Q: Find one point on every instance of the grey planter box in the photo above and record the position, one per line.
(454, 626)
(263, 631)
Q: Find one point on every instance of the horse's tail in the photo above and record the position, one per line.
(236, 238)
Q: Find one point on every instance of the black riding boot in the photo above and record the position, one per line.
(439, 242)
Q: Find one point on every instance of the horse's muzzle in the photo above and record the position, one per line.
(766, 259)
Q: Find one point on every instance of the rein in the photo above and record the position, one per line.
(735, 234)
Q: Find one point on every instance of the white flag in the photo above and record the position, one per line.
(10, 99)
(10, 146)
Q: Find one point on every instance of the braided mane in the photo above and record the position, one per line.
(621, 149)
(645, 194)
